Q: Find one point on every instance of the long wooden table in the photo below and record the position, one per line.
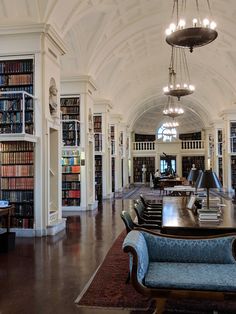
(177, 219)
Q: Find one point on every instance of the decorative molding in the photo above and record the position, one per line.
(39, 28)
(80, 79)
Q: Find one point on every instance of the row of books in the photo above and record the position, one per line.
(70, 153)
(17, 196)
(71, 117)
(16, 66)
(17, 183)
(69, 177)
(70, 185)
(16, 128)
(70, 161)
(17, 171)
(74, 102)
(71, 142)
(71, 194)
(17, 158)
(24, 210)
(27, 223)
(68, 110)
(71, 202)
(17, 146)
(15, 117)
(70, 169)
(15, 105)
(19, 79)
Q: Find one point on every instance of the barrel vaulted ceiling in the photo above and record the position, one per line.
(121, 45)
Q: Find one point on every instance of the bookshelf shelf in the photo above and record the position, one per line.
(97, 125)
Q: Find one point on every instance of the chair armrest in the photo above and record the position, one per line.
(135, 244)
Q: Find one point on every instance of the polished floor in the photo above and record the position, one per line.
(45, 275)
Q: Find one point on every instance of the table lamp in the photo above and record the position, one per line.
(193, 175)
(208, 180)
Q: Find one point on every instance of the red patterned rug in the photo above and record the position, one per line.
(107, 289)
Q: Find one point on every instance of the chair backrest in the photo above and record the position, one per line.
(143, 200)
(138, 207)
(129, 224)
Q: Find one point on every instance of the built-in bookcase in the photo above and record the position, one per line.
(188, 161)
(16, 102)
(138, 163)
(70, 117)
(17, 155)
(17, 180)
(97, 119)
(70, 178)
(98, 176)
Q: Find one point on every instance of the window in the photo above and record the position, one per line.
(166, 134)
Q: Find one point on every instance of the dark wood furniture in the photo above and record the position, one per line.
(177, 219)
(7, 239)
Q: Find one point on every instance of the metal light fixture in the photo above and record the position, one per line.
(200, 33)
(172, 109)
(179, 78)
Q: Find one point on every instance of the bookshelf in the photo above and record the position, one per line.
(190, 136)
(145, 137)
(113, 174)
(17, 180)
(97, 125)
(98, 176)
(138, 163)
(70, 117)
(233, 137)
(112, 132)
(16, 101)
(17, 153)
(70, 178)
(188, 161)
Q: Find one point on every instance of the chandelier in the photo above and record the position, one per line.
(170, 124)
(179, 78)
(172, 109)
(200, 33)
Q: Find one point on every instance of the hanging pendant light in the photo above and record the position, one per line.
(200, 33)
(179, 78)
(172, 109)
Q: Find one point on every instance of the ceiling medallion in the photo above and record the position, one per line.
(200, 33)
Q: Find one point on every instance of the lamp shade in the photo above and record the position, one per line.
(193, 174)
(208, 180)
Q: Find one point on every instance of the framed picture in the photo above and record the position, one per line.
(191, 202)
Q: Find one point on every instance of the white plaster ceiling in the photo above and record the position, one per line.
(121, 44)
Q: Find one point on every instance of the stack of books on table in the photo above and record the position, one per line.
(209, 215)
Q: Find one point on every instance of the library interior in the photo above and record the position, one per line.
(117, 125)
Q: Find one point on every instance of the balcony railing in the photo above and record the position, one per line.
(146, 146)
(196, 145)
(151, 146)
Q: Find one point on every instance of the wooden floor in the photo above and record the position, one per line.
(45, 275)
